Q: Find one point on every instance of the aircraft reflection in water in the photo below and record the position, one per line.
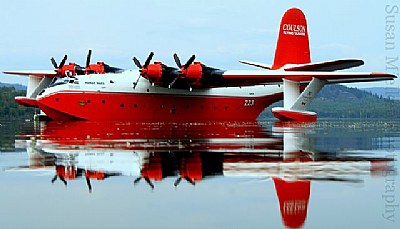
(193, 152)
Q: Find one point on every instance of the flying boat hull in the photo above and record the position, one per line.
(140, 105)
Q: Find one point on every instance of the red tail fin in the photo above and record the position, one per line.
(292, 46)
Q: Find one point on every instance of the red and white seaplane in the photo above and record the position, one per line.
(193, 91)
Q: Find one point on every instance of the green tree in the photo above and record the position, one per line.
(9, 109)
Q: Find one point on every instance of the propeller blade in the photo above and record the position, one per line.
(89, 184)
(137, 180)
(177, 61)
(53, 61)
(137, 81)
(54, 178)
(137, 62)
(148, 60)
(176, 183)
(63, 180)
(88, 57)
(149, 182)
(173, 81)
(189, 62)
(190, 181)
(63, 61)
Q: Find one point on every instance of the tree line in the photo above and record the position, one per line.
(9, 109)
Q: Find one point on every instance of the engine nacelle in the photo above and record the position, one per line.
(193, 73)
(159, 74)
(70, 69)
(97, 68)
(153, 72)
(199, 75)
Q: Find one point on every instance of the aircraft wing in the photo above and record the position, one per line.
(247, 78)
(38, 73)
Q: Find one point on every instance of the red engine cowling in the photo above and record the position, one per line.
(68, 70)
(193, 73)
(153, 72)
(97, 68)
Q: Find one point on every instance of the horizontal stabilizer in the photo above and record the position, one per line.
(255, 64)
(326, 66)
(39, 73)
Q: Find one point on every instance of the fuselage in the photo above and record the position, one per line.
(115, 97)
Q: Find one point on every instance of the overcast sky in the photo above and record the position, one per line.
(219, 32)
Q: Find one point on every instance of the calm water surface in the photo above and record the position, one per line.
(331, 174)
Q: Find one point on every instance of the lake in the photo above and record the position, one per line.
(265, 174)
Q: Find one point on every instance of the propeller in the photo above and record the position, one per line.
(178, 181)
(183, 70)
(62, 63)
(187, 64)
(148, 181)
(58, 68)
(137, 62)
(143, 69)
(61, 178)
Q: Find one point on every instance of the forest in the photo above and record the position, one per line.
(9, 109)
